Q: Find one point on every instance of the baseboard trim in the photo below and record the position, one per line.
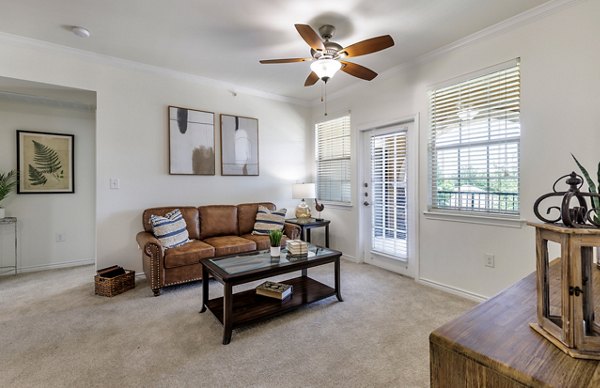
(352, 259)
(63, 264)
(452, 290)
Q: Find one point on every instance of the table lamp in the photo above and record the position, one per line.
(302, 191)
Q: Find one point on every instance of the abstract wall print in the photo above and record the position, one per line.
(191, 142)
(45, 162)
(239, 145)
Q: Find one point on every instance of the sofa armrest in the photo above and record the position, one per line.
(153, 259)
(292, 231)
(149, 244)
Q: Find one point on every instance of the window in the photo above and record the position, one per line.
(474, 144)
(333, 148)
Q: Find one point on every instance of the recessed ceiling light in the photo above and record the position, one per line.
(80, 31)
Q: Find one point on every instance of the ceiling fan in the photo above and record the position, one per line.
(327, 56)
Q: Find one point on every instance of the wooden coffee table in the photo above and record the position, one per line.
(242, 308)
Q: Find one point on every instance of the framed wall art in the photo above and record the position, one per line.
(45, 162)
(191, 142)
(239, 145)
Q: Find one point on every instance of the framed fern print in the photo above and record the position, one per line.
(45, 162)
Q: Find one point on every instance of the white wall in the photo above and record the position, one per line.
(132, 142)
(42, 216)
(560, 114)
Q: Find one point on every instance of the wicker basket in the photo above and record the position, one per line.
(115, 286)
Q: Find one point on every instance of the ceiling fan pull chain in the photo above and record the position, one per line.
(325, 92)
(322, 87)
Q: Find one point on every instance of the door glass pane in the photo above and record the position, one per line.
(388, 190)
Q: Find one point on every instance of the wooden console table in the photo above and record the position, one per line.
(493, 346)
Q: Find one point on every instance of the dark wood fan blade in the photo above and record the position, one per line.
(310, 36)
(369, 46)
(311, 79)
(284, 60)
(358, 70)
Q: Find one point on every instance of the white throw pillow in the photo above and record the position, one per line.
(267, 220)
(170, 230)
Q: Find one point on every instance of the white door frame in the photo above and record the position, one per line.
(411, 268)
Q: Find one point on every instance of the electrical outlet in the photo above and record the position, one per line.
(489, 260)
(115, 183)
(61, 237)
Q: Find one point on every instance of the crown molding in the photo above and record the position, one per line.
(47, 101)
(104, 59)
(517, 20)
(520, 19)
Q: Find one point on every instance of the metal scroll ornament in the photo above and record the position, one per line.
(571, 216)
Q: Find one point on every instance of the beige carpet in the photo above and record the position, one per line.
(54, 332)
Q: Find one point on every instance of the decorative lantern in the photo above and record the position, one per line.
(575, 330)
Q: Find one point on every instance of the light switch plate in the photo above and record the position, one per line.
(115, 183)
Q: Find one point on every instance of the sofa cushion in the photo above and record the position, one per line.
(262, 241)
(247, 215)
(218, 220)
(190, 215)
(267, 220)
(187, 254)
(170, 230)
(230, 245)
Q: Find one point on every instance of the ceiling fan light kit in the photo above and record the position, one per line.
(325, 68)
(327, 55)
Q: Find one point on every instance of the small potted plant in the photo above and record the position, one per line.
(8, 182)
(275, 239)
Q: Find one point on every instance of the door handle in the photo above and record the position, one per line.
(366, 203)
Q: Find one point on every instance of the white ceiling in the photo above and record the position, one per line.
(224, 39)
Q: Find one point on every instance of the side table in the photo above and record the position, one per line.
(306, 224)
(8, 221)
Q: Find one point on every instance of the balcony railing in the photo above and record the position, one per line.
(478, 201)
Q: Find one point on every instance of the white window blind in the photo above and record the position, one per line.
(474, 144)
(388, 188)
(333, 151)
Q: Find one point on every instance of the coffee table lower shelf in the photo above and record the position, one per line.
(249, 307)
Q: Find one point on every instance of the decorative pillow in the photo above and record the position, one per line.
(267, 220)
(170, 230)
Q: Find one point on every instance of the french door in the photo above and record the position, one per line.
(386, 191)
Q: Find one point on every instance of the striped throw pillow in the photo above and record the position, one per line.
(267, 220)
(170, 230)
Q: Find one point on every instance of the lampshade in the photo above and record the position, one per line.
(303, 190)
(325, 68)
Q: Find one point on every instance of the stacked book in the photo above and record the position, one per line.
(274, 290)
(297, 248)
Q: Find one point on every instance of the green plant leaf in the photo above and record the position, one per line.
(36, 177)
(598, 173)
(596, 201)
(275, 237)
(586, 175)
(46, 159)
(7, 183)
(590, 181)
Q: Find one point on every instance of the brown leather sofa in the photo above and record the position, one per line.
(214, 230)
